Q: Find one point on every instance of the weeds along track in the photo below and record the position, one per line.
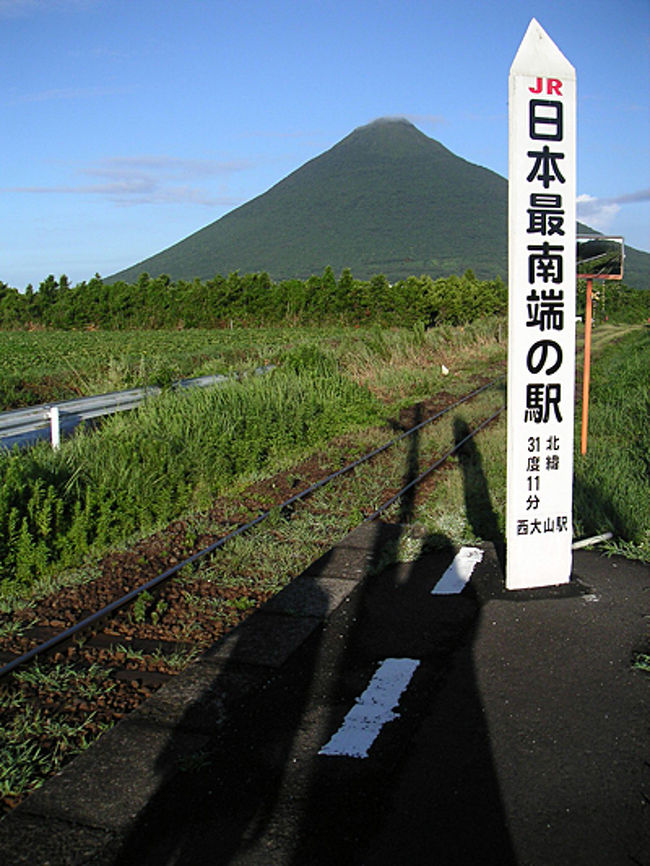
(77, 661)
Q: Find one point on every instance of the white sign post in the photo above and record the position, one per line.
(541, 284)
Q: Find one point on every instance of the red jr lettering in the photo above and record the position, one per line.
(553, 86)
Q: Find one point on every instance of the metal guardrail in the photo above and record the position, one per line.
(24, 427)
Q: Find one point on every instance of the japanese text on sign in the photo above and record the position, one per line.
(542, 313)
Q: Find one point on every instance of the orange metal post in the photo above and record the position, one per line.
(585, 378)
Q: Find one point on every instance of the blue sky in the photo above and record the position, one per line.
(129, 124)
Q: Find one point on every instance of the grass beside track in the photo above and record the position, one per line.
(612, 479)
(175, 453)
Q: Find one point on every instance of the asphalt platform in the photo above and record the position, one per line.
(364, 718)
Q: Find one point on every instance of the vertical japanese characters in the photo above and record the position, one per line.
(542, 314)
(544, 302)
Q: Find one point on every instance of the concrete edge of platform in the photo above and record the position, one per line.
(97, 796)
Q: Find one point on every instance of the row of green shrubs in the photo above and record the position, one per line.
(252, 300)
(174, 453)
(257, 300)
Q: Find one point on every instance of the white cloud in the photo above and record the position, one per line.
(57, 93)
(601, 212)
(426, 119)
(133, 180)
(632, 197)
(172, 166)
(597, 212)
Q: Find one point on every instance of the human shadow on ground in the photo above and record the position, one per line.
(257, 790)
(479, 510)
(428, 791)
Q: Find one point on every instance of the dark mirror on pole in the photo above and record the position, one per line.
(600, 257)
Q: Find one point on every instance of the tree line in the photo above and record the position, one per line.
(613, 301)
(250, 300)
(256, 300)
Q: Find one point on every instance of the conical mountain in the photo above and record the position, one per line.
(385, 199)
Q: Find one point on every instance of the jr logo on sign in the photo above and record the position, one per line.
(553, 85)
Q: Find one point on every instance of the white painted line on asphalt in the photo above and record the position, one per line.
(372, 710)
(457, 576)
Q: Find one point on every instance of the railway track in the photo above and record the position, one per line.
(73, 666)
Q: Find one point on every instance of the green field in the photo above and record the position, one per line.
(43, 366)
(178, 452)
(40, 366)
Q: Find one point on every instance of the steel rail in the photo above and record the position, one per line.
(433, 467)
(170, 572)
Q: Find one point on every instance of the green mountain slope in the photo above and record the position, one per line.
(386, 199)
(636, 271)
